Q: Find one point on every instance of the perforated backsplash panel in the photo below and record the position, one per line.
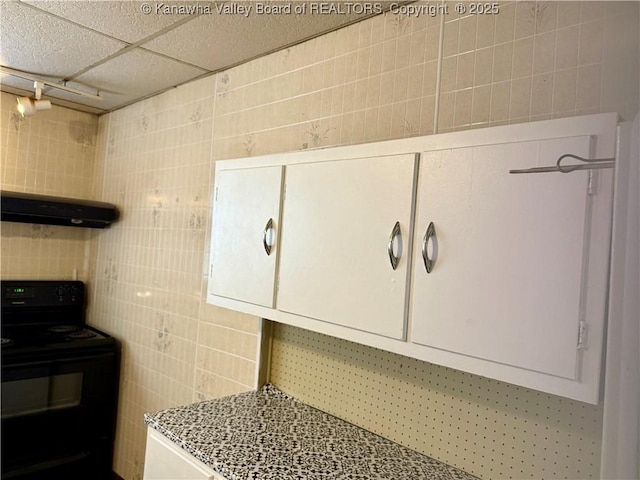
(485, 427)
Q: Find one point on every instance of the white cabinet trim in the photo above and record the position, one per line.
(621, 417)
(601, 125)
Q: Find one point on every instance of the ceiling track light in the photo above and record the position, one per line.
(26, 76)
(28, 106)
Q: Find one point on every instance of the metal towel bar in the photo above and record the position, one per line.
(592, 164)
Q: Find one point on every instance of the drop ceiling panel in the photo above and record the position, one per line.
(145, 73)
(45, 45)
(217, 41)
(120, 19)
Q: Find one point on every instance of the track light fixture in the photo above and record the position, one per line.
(28, 106)
(57, 86)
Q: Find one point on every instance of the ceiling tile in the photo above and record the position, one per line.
(219, 40)
(30, 40)
(120, 19)
(146, 74)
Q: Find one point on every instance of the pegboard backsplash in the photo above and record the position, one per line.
(488, 428)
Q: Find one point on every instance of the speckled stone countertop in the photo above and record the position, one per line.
(270, 435)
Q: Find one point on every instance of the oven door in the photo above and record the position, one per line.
(58, 417)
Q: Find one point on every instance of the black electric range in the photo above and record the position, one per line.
(59, 384)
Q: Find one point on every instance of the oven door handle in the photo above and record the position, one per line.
(38, 467)
(51, 366)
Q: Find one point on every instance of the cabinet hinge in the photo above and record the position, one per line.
(582, 335)
(210, 270)
(592, 185)
(215, 199)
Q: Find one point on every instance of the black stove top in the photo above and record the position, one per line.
(20, 337)
(46, 317)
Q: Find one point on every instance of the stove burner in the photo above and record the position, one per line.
(81, 335)
(5, 342)
(63, 329)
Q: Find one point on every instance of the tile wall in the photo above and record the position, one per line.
(52, 154)
(378, 79)
(154, 162)
(538, 60)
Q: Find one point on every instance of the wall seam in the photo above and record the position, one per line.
(436, 110)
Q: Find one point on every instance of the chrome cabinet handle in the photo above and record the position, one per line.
(430, 233)
(395, 233)
(267, 227)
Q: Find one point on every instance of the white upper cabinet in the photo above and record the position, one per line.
(507, 282)
(345, 238)
(244, 245)
(518, 282)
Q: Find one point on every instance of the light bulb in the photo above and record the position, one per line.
(28, 107)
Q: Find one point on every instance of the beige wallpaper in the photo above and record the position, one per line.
(154, 162)
(52, 154)
(539, 60)
(376, 80)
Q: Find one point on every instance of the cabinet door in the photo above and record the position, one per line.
(246, 217)
(508, 283)
(335, 264)
(164, 460)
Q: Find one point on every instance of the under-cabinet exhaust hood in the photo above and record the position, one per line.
(43, 209)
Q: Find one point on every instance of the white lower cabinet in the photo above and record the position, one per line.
(164, 460)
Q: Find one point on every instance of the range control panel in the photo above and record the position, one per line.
(41, 293)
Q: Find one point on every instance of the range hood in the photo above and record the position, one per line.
(43, 209)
